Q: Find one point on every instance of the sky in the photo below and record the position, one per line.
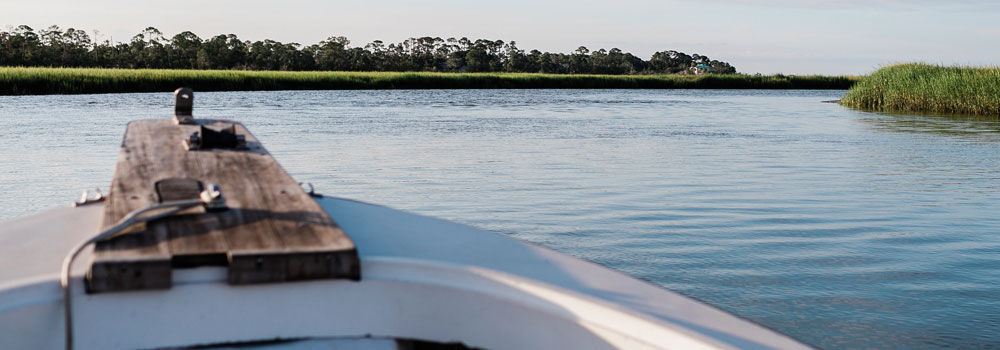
(756, 36)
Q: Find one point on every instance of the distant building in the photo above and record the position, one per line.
(701, 69)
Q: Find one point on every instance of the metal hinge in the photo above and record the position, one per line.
(183, 106)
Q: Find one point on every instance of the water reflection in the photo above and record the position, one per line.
(986, 128)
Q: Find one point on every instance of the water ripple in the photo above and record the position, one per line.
(846, 229)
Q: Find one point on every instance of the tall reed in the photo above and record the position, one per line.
(22, 81)
(925, 88)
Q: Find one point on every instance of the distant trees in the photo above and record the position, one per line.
(54, 47)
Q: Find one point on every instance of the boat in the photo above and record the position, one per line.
(204, 242)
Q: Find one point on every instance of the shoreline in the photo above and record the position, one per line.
(46, 81)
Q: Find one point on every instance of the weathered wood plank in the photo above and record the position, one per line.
(196, 240)
(314, 228)
(272, 232)
(139, 259)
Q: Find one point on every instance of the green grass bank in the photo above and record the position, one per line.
(29, 81)
(924, 88)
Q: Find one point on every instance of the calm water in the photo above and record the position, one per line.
(841, 228)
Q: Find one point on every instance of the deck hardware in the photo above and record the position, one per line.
(86, 198)
(212, 196)
(193, 142)
(208, 138)
(183, 106)
(208, 198)
(312, 191)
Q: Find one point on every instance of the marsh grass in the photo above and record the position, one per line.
(25, 81)
(924, 88)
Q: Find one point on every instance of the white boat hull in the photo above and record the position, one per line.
(422, 278)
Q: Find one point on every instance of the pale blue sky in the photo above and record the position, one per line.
(766, 36)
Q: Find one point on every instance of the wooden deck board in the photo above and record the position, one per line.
(272, 232)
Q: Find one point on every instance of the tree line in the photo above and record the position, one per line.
(54, 47)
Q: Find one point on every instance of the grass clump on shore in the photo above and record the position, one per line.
(924, 88)
(31, 81)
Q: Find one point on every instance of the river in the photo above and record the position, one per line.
(841, 228)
